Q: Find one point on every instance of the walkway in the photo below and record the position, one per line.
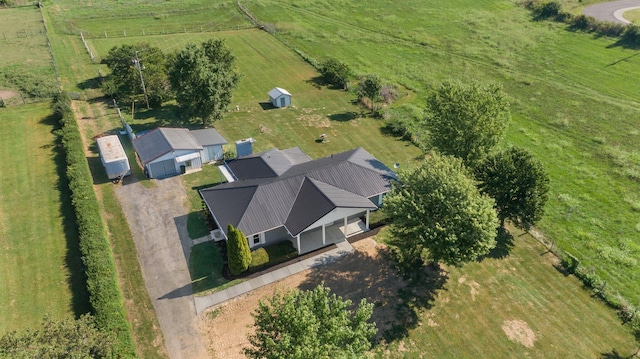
(222, 296)
(611, 11)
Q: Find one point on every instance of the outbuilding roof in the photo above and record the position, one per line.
(208, 137)
(277, 92)
(271, 192)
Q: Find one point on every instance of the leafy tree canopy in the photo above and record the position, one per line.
(310, 324)
(336, 72)
(437, 207)
(369, 87)
(125, 81)
(66, 338)
(467, 121)
(203, 78)
(518, 183)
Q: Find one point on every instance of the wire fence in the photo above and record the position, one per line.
(132, 32)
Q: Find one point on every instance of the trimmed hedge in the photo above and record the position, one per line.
(105, 295)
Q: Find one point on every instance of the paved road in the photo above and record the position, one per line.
(611, 11)
(157, 219)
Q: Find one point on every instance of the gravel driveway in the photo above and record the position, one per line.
(157, 219)
(609, 11)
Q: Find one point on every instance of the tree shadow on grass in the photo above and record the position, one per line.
(92, 83)
(613, 354)
(374, 277)
(504, 244)
(77, 279)
(345, 116)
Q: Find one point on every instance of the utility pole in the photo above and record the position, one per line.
(137, 62)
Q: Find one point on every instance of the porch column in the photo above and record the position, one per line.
(324, 239)
(366, 222)
(345, 228)
(298, 239)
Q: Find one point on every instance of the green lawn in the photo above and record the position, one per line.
(40, 260)
(574, 100)
(632, 15)
(475, 307)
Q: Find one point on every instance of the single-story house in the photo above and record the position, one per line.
(279, 97)
(285, 195)
(166, 152)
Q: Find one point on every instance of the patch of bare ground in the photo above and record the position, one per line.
(519, 332)
(366, 273)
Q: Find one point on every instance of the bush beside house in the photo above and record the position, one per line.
(238, 253)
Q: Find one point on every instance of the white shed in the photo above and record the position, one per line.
(113, 157)
(279, 97)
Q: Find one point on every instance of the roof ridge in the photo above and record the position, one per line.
(294, 200)
(246, 208)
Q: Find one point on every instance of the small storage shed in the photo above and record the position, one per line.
(211, 142)
(166, 152)
(279, 97)
(113, 157)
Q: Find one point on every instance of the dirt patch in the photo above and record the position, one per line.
(363, 274)
(519, 332)
(317, 121)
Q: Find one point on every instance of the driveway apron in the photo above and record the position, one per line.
(157, 219)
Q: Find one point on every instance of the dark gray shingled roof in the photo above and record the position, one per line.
(302, 192)
(162, 140)
(208, 137)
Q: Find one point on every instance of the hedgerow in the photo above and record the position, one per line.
(102, 283)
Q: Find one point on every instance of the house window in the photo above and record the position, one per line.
(255, 239)
(187, 163)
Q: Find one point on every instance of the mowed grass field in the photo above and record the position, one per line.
(40, 260)
(516, 306)
(574, 100)
(266, 63)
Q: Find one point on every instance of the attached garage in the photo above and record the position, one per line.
(166, 152)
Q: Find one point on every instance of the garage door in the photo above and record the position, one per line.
(163, 169)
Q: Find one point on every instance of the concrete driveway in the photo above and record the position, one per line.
(158, 223)
(611, 11)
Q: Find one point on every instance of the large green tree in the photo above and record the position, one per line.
(467, 121)
(130, 66)
(67, 338)
(336, 72)
(519, 184)
(310, 324)
(203, 78)
(238, 252)
(437, 207)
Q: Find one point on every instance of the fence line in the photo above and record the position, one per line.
(164, 31)
(53, 60)
(86, 46)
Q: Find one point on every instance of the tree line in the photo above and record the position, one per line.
(201, 78)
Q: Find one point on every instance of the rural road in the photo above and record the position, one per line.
(158, 222)
(611, 11)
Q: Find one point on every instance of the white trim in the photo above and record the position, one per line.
(261, 240)
(366, 223)
(189, 156)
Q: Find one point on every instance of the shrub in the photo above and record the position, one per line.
(259, 258)
(102, 282)
(547, 10)
(632, 35)
(238, 254)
